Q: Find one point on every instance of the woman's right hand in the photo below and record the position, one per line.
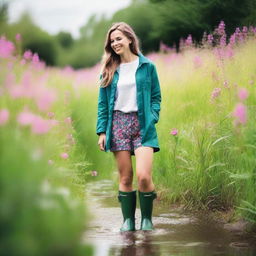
(102, 141)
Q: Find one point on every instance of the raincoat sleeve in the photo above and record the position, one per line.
(155, 93)
(102, 117)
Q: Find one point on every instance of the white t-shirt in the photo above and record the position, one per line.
(126, 93)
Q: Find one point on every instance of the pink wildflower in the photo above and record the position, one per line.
(223, 40)
(229, 52)
(243, 94)
(53, 122)
(189, 40)
(4, 116)
(44, 98)
(94, 173)
(174, 132)
(25, 118)
(215, 93)
(221, 28)
(68, 69)
(40, 125)
(64, 155)
(240, 113)
(225, 84)
(27, 55)
(245, 29)
(6, 48)
(50, 114)
(22, 62)
(24, 89)
(232, 39)
(35, 58)
(18, 37)
(210, 39)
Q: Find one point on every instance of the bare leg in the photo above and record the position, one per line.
(124, 165)
(144, 161)
(126, 196)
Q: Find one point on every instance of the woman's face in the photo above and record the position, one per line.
(119, 42)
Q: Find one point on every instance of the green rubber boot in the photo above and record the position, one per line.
(146, 207)
(128, 206)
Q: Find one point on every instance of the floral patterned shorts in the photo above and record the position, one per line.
(125, 131)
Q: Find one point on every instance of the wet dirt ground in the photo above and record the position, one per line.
(175, 233)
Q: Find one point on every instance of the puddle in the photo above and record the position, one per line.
(175, 233)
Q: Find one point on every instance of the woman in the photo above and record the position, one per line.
(128, 109)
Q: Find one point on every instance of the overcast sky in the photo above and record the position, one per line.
(67, 15)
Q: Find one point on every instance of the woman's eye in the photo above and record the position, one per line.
(117, 39)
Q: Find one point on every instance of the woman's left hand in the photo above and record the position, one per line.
(102, 141)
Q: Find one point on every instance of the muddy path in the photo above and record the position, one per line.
(176, 233)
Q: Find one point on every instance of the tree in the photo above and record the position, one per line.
(3, 12)
(177, 19)
(65, 39)
(142, 24)
(232, 12)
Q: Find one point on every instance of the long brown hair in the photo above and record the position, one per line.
(111, 60)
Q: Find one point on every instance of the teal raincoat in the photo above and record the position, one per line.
(148, 100)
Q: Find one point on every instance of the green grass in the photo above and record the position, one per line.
(214, 164)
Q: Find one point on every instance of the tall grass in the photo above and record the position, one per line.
(85, 113)
(39, 214)
(211, 162)
(42, 175)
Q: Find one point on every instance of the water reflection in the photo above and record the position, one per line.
(175, 232)
(136, 243)
(144, 243)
